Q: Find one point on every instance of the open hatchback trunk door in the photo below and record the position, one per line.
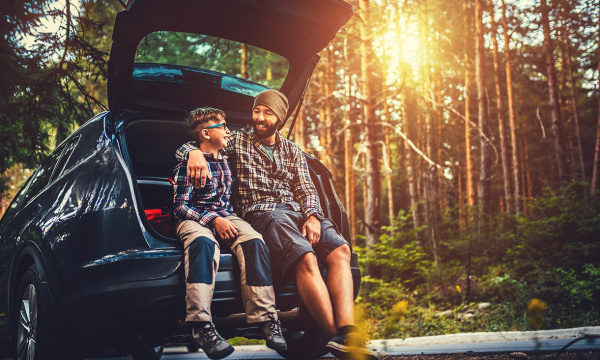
(292, 30)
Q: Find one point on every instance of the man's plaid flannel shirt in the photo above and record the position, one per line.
(263, 183)
(205, 204)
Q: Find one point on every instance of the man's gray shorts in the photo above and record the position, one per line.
(282, 231)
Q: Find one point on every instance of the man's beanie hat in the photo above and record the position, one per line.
(275, 101)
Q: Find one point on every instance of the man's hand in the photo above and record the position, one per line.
(312, 230)
(197, 169)
(224, 228)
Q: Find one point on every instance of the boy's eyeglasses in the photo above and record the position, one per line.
(224, 125)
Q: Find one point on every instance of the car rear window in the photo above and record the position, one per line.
(244, 68)
(42, 175)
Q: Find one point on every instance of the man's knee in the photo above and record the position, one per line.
(258, 265)
(307, 263)
(340, 254)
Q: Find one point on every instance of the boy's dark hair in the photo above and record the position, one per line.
(197, 118)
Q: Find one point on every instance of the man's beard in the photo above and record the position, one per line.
(265, 133)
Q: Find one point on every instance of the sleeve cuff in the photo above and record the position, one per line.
(206, 218)
(316, 214)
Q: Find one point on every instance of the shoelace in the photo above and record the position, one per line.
(275, 327)
(210, 334)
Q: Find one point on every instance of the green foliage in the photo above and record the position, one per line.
(213, 53)
(398, 258)
(538, 272)
(44, 94)
(240, 341)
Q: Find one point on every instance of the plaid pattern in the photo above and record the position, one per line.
(206, 204)
(264, 183)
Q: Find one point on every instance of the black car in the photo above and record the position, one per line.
(88, 257)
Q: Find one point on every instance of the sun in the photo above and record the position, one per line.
(400, 49)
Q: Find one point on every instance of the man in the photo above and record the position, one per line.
(200, 211)
(278, 198)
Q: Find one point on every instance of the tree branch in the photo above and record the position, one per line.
(539, 117)
(86, 94)
(469, 121)
(419, 152)
(64, 56)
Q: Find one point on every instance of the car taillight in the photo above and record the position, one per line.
(161, 221)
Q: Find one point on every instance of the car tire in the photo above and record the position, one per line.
(35, 335)
(150, 353)
(306, 345)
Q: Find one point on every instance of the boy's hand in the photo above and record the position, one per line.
(224, 228)
(197, 169)
(312, 230)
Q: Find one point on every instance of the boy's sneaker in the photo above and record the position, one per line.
(208, 339)
(351, 346)
(271, 332)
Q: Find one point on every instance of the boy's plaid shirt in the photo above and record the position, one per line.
(263, 183)
(205, 204)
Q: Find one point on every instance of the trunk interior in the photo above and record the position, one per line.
(151, 145)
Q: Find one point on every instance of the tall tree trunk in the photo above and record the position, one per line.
(328, 84)
(527, 179)
(388, 168)
(299, 135)
(470, 188)
(574, 101)
(349, 176)
(504, 147)
(407, 126)
(516, 166)
(461, 199)
(321, 124)
(596, 172)
(269, 67)
(557, 121)
(485, 147)
(244, 61)
(372, 202)
(430, 180)
(418, 167)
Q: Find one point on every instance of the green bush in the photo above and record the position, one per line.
(541, 271)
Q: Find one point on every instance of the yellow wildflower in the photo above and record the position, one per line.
(400, 308)
(535, 313)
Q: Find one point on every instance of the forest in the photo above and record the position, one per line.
(463, 139)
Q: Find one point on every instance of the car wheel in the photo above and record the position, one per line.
(306, 345)
(151, 353)
(34, 334)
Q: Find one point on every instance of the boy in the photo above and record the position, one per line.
(200, 211)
